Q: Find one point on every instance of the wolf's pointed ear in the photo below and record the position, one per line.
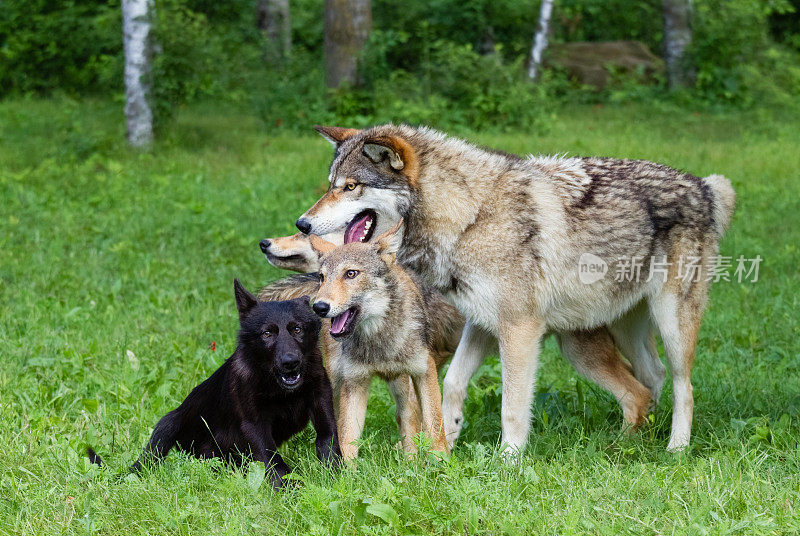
(389, 242)
(320, 245)
(378, 153)
(336, 135)
(244, 300)
(395, 150)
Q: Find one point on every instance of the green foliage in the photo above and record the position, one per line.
(116, 270)
(610, 20)
(452, 63)
(472, 22)
(785, 24)
(60, 45)
(735, 60)
(454, 87)
(186, 65)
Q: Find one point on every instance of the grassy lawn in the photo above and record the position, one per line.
(116, 273)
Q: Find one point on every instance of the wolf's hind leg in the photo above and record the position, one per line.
(677, 315)
(633, 335)
(594, 356)
(474, 345)
(430, 400)
(407, 411)
(161, 441)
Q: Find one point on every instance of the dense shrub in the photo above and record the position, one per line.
(453, 87)
(452, 63)
(736, 60)
(610, 20)
(48, 45)
(194, 60)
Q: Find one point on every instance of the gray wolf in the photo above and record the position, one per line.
(380, 318)
(266, 392)
(502, 236)
(592, 352)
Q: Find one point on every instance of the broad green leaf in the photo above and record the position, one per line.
(384, 512)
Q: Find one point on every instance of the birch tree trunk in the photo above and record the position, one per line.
(136, 32)
(677, 37)
(540, 39)
(347, 27)
(274, 20)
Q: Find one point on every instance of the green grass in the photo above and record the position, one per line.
(116, 274)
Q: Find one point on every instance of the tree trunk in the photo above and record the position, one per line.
(136, 33)
(677, 37)
(274, 20)
(347, 27)
(540, 39)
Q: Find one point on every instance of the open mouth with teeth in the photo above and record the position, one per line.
(290, 381)
(361, 227)
(343, 324)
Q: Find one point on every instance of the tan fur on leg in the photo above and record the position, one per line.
(594, 356)
(407, 411)
(677, 310)
(633, 335)
(519, 357)
(427, 389)
(352, 412)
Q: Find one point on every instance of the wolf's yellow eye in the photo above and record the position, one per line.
(350, 274)
(267, 334)
(297, 329)
(349, 187)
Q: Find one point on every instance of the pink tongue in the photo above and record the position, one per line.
(356, 230)
(338, 322)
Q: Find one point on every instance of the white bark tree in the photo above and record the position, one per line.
(136, 43)
(540, 39)
(677, 37)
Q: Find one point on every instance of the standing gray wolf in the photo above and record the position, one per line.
(380, 317)
(592, 353)
(266, 392)
(503, 236)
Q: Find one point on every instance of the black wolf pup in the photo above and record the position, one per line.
(266, 392)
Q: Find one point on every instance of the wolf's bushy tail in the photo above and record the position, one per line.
(289, 288)
(94, 457)
(724, 202)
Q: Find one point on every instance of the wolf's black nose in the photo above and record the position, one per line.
(264, 244)
(321, 308)
(290, 362)
(304, 225)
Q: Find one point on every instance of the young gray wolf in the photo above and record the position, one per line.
(445, 322)
(266, 392)
(380, 317)
(591, 352)
(503, 236)
(297, 253)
